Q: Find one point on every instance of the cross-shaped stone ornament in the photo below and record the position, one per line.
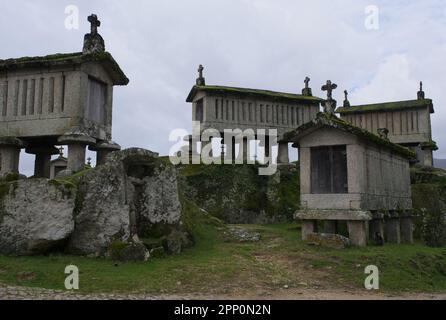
(329, 87)
(95, 23)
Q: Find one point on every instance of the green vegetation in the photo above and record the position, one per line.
(65, 58)
(216, 265)
(388, 106)
(429, 203)
(328, 120)
(237, 193)
(274, 95)
(70, 181)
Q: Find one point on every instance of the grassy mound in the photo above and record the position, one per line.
(238, 194)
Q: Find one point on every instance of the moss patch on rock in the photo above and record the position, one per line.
(238, 194)
(127, 251)
(429, 203)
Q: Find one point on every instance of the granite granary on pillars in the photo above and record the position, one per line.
(350, 175)
(60, 99)
(221, 107)
(408, 123)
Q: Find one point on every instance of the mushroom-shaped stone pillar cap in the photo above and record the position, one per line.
(42, 149)
(12, 142)
(73, 138)
(105, 145)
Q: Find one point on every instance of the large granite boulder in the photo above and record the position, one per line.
(35, 216)
(133, 196)
(123, 209)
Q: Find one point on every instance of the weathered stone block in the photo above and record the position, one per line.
(35, 216)
(329, 240)
(308, 227)
(392, 230)
(406, 229)
(357, 231)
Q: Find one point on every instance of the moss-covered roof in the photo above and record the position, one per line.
(388, 106)
(61, 59)
(331, 121)
(256, 93)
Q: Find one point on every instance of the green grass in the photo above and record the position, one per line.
(220, 266)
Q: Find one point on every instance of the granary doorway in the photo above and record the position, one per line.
(329, 169)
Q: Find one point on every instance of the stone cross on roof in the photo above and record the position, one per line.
(307, 90)
(61, 152)
(93, 42)
(346, 102)
(95, 23)
(420, 93)
(200, 79)
(329, 87)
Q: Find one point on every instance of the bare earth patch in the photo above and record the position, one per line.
(26, 293)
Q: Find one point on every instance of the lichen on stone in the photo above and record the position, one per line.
(328, 120)
(273, 95)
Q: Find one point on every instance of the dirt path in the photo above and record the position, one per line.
(25, 293)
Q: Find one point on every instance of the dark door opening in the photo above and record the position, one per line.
(329, 170)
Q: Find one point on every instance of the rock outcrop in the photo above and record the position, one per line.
(36, 216)
(133, 196)
(124, 209)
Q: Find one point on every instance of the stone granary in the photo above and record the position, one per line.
(221, 107)
(348, 174)
(57, 165)
(408, 123)
(60, 99)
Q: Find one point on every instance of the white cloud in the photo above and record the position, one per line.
(252, 43)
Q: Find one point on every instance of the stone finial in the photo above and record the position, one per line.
(307, 90)
(420, 93)
(330, 103)
(383, 132)
(346, 102)
(329, 87)
(94, 22)
(200, 80)
(93, 42)
(61, 152)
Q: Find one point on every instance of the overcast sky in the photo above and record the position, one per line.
(247, 43)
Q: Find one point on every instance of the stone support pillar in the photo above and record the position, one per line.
(10, 155)
(76, 150)
(376, 226)
(206, 144)
(428, 159)
(103, 149)
(308, 226)
(406, 229)
(229, 157)
(42, 161)
(392, 230)
(267, 147)
(283, 157)
(357, 230)
(245, 150)
(192, 145)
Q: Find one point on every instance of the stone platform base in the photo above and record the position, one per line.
(362, 225)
